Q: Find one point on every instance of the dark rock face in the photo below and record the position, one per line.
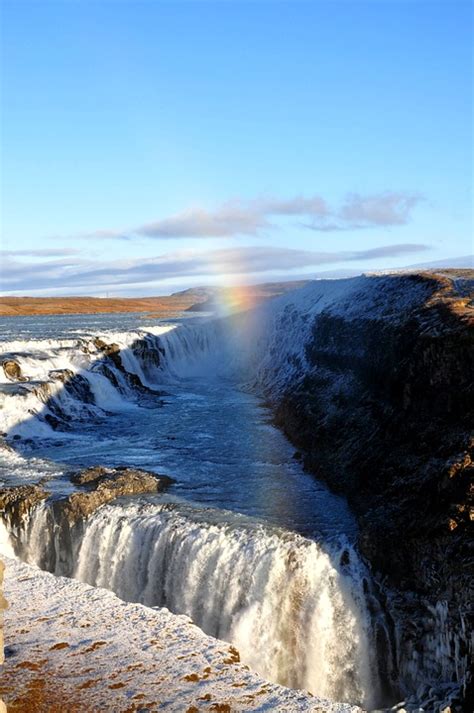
(110, 350)
(79, 388)
(63, 375)
(107, 349)
(148, 355)
(18, 501)
(385, 415)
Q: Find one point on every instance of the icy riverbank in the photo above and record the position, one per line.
(82, 647)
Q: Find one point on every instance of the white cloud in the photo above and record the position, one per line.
(258, 260)
(238, 217)
(381, 209)
(41, 252)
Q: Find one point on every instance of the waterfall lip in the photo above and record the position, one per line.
(152, 506)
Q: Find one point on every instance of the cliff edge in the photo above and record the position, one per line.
(372, 379)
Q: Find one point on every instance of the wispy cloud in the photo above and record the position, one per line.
(238, 217)
(69, 275)
(42, 252)
(233, 218)
(374, 211)
(381, 209)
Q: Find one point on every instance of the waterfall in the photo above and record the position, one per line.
(64, 381)
(295, 609)
(300, 612)
(203, 349)
(69, 380)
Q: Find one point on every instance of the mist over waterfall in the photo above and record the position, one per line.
(296, 610)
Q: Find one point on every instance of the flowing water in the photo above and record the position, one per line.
(245, 542)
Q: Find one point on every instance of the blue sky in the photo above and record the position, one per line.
(151, 146)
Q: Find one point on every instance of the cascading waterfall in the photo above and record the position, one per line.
(300, 612)
(198, 349)
(75, 379)
(296, 611)
(64, 381)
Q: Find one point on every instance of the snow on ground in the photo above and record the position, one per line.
(274, 336)
(73, 647)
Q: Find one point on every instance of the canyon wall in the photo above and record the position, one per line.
(379, 400)
(3, 605)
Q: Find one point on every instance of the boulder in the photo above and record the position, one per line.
(12, 370)
(91, 475)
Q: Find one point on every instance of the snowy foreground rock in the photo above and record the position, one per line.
(73, 647)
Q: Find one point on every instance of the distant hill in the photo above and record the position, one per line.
(194, 299)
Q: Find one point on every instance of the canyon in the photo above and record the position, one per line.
(369, 378)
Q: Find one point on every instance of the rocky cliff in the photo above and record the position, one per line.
(379, 399)
(3, 605)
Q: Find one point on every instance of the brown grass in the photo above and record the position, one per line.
(160, 306)
(39, 694)
(164, 306)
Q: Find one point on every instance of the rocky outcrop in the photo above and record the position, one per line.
(62, 375)
(148, 353)
(384, 413)
(16, 502)
(107, 349)
(64, 519)
(12, 370)
(102, 485)
(112, 354)
(98, 485)
(91, 475)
